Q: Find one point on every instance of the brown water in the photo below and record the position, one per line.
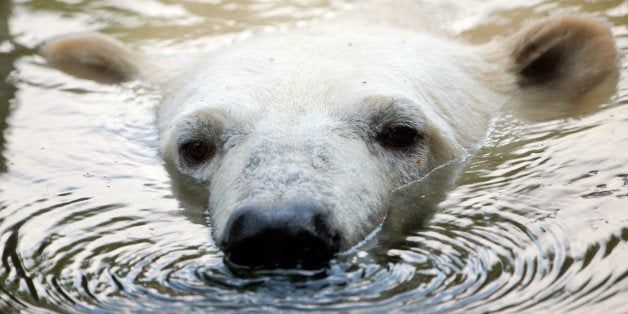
(91, 221)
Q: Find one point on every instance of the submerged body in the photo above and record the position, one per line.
(300, 138)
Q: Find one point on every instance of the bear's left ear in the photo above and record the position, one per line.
(94, 56)
(563, 58)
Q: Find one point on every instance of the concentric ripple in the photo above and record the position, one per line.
(91, 221)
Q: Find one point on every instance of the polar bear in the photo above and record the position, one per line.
(300, 137)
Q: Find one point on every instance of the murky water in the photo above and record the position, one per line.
(91, 220)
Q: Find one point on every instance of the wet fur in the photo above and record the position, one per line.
(295, 116)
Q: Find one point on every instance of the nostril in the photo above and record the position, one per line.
(296, 238)
(321, 226)
(274, 249)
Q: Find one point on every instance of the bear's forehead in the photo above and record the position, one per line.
(301, 71)
(305, 57)
(300, 76)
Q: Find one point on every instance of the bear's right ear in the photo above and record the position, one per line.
(563, 58)
(92, 56)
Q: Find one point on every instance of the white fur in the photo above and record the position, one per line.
(303, 102)
(295, 117)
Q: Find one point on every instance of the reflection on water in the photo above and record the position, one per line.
(90, 219)
(7, 57)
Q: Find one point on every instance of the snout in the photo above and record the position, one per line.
(298, 237)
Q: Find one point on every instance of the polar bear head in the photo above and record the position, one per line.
(301, 137)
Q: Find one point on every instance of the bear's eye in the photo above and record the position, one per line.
(196, 151)
(398, 137)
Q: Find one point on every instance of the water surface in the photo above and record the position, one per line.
(91, 220)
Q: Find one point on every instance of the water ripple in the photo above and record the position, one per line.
(534, 221)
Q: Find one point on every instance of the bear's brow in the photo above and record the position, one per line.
(219, 126)
(193, 127)
(395, 111)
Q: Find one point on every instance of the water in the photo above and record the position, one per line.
(91, 220)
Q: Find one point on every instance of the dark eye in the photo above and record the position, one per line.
(398, 137)
(196, 151)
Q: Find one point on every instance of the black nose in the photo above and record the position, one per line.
(299, 237)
